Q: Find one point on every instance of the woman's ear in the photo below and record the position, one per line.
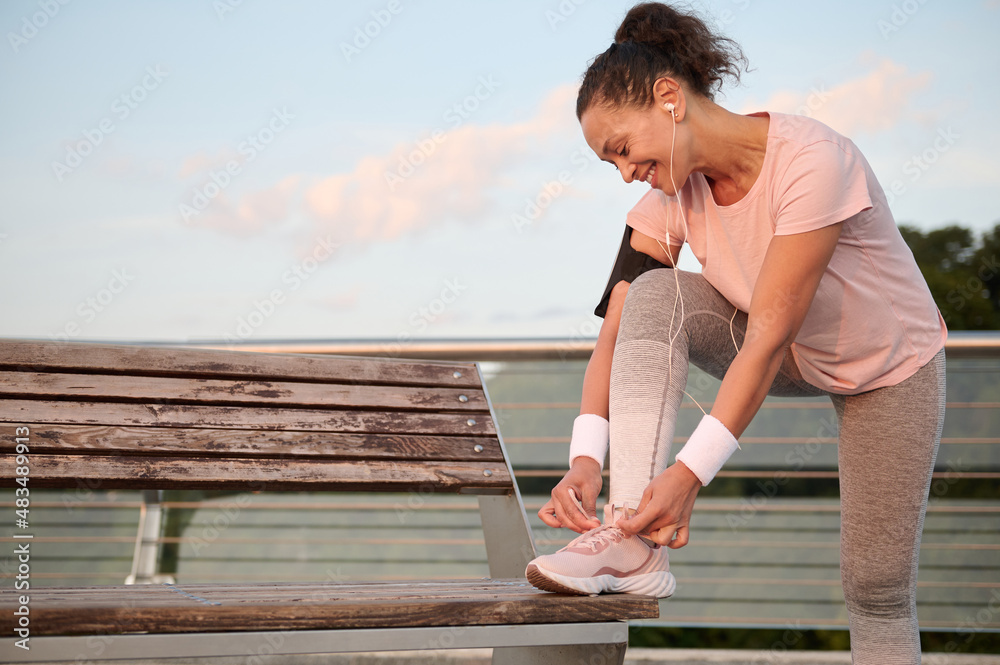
(669, 97)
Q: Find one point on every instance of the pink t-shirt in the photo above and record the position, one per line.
(873, 321)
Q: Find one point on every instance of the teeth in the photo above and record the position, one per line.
(649, 176)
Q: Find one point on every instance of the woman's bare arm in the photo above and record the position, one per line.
(657, 249)
(597, 379)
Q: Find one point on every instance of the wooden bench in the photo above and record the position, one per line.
(128, 417)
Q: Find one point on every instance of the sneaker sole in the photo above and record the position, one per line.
(659, 584)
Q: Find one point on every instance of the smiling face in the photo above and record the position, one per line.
(637, 142)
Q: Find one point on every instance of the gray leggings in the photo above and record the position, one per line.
(888, 441)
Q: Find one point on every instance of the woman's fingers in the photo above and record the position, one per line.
(680, 540)
(589, 503)
(638, 523)
(662, 536)
(585, 518)
(562, 514)
(547, 514)
(573, 503)
(661, 531)
(665, 508)
(570, 511)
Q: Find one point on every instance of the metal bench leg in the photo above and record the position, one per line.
(509, 543)
(583, 654)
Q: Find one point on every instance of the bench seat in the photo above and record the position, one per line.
(146, 418)
(183, 608)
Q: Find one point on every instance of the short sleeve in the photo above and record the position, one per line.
(629, 264)
(651, 216)
(824, 183)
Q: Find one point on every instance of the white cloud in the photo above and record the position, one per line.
(871, 103)
(252, 212)
(202, 162)
(448, 175)
(445, 176)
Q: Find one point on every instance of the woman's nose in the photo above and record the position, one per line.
(628, 172)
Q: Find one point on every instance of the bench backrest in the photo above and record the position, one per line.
(157, 417)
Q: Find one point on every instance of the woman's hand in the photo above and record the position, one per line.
(582, 482)
(665, 509)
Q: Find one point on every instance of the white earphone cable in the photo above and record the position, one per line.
(677, 290)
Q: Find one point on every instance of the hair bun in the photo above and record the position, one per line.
(651, 23)
(656, 40)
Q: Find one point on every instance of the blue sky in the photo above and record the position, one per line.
(223, 170)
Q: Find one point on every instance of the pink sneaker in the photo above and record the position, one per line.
(604, 560)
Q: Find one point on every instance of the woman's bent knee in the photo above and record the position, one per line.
(878, 590)
(648, 307)
(659, 280)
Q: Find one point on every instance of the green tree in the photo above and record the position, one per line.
(963, 273)
(987, 262)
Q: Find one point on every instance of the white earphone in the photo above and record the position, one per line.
(677, 292)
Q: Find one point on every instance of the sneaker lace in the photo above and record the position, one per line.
(602, 534)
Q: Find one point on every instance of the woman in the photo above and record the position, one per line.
(807, 288)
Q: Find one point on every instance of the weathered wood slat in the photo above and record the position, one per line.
(364, 614)
(31, 356)
(286, 394)
(115, 472)
(171, 415)
(190, 441)
(190, 608)
(394, 587)
(288, 591)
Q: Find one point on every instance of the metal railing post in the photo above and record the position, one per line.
(146, 558)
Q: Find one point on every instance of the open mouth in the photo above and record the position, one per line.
(650, 175)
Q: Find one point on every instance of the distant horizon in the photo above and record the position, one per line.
(963, 336)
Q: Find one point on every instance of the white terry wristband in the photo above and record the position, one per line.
(710, 445)
(591, 435)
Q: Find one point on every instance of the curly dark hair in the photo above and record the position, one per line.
(653, 41)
